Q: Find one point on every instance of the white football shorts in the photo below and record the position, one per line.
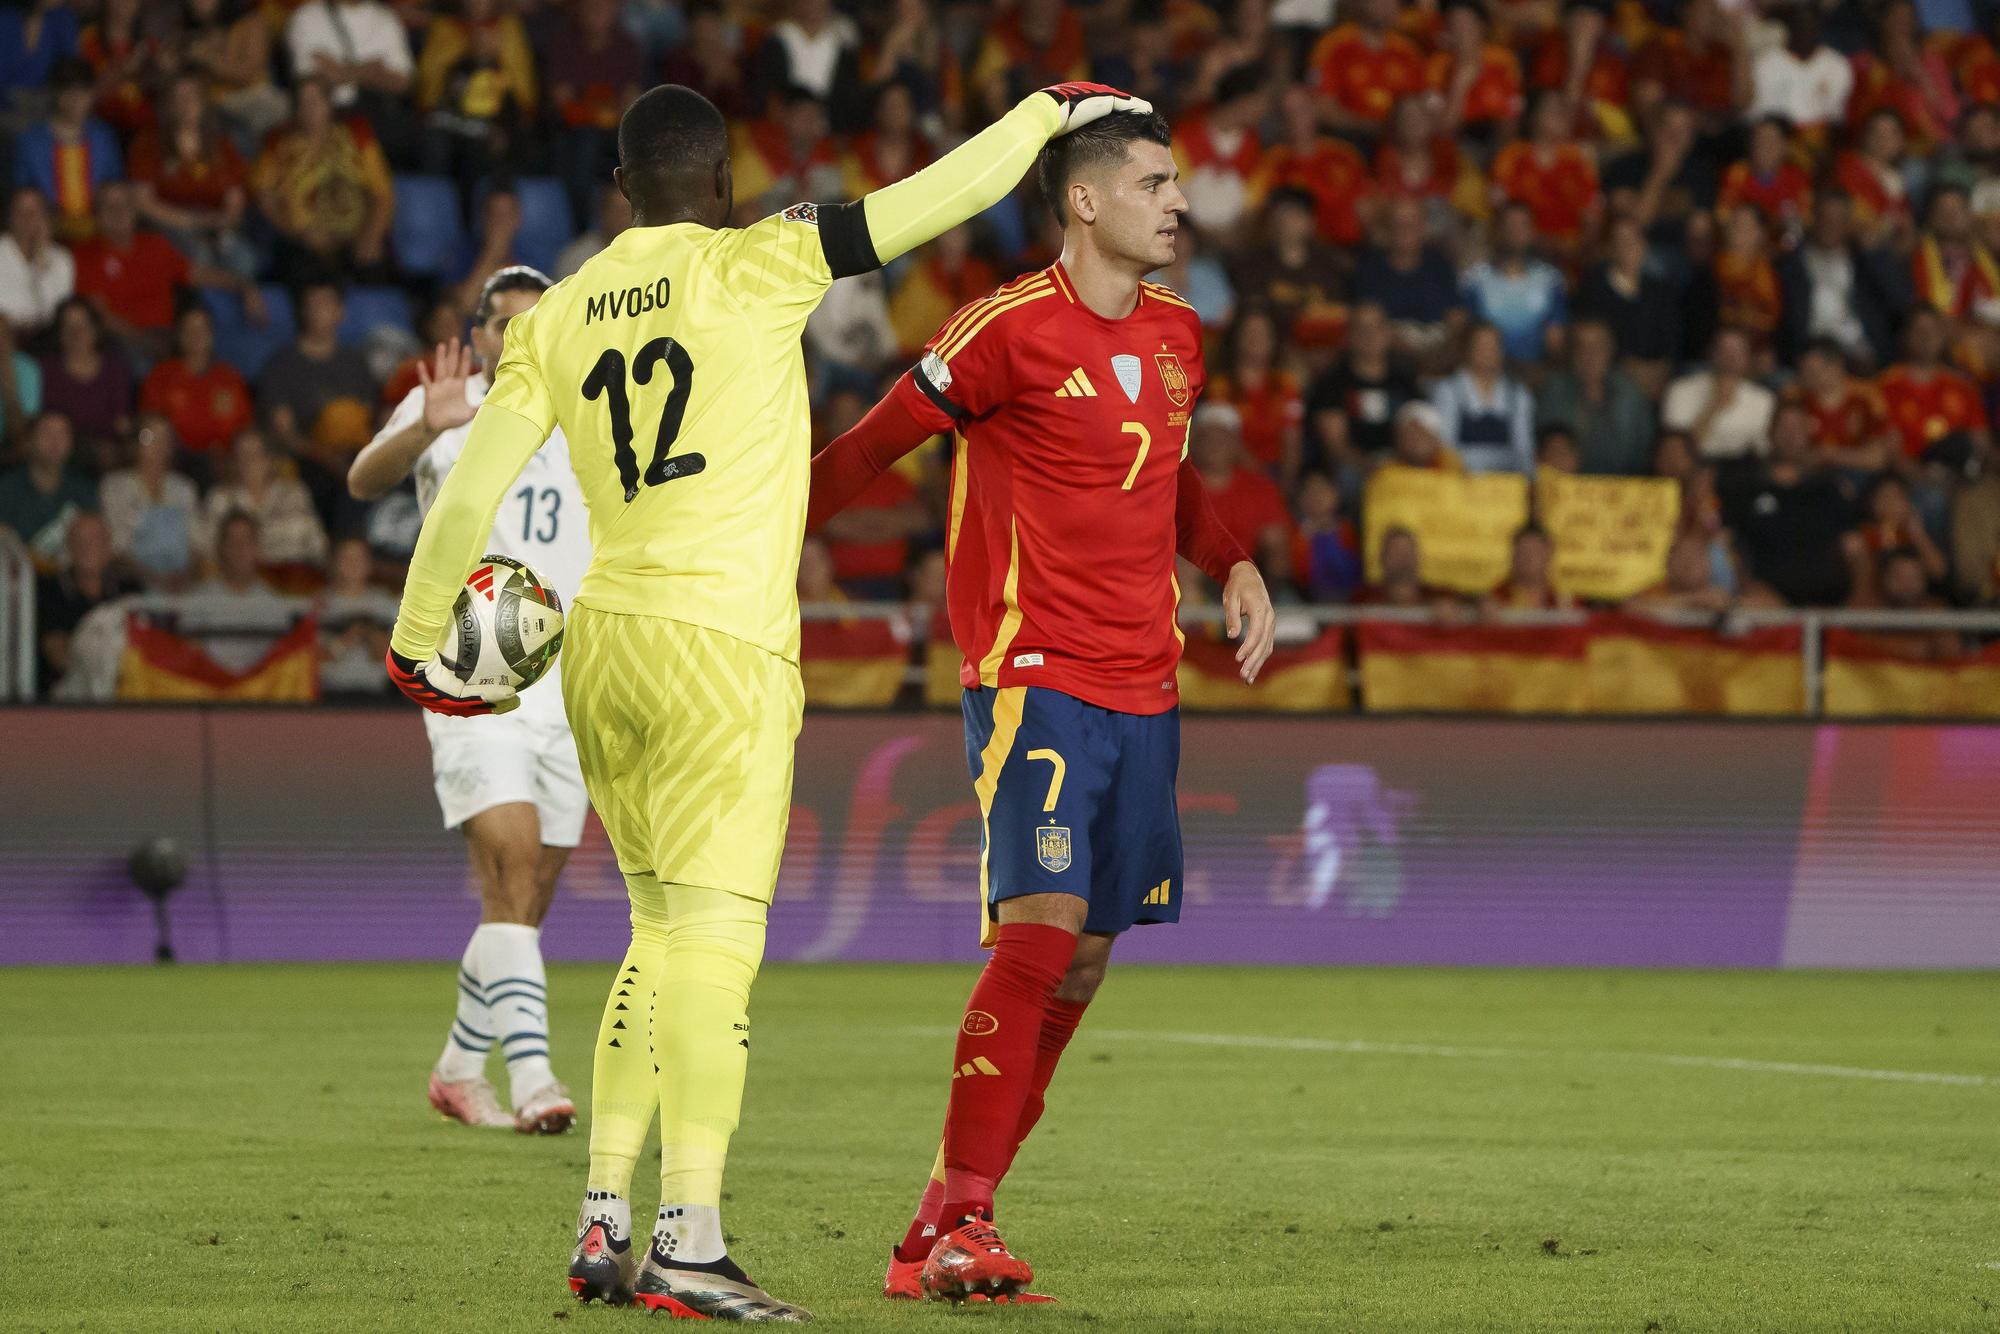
(479, 763)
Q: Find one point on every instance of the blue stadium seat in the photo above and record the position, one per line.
(546, 224)
(369, 308)
(428, 230)
(242, 344)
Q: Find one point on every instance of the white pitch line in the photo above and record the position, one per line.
(1359, 1047)
(1516, 1053)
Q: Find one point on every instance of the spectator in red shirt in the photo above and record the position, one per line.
(892, 146)
(206, 401)
(1414, 161)
(191, 181)
(124, 49)
(1582, 58)
(1746, 282)
(1893, 525)
(1550, 173)
(1897, 72)
(1705, 62)
(1479, 81)
(1850, 427)
(1769, 180)
(1362, 67)
(1872, 175)
(1926, 399)
(1247, 502)
(1327, 169)
(133, 277)
(1219, 152)
(1264, 393)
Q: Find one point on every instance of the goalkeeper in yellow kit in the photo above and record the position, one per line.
(671, 361)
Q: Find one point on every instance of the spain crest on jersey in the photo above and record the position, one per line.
(1052, 847)
(1173, 377)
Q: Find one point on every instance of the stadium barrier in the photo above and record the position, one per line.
(1763, 662)
(1329, 659)
(313, 833)
(17, 619)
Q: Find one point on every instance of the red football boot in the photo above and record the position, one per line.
(905, 1280)
(971, 1258)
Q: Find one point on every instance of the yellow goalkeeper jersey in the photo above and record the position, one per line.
(671, 361)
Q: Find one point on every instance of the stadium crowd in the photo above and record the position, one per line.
(1751, 247)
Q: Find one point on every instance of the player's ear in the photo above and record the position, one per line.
(725, 188)
(618, 179)
(1082, 201)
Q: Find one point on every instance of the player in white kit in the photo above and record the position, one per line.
(510, 781)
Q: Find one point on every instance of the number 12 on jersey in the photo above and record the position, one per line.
(607, 381)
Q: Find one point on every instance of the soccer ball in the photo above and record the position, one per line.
(507, 627)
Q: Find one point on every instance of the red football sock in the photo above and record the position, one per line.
(1058, 1027)
(994, 1064)
(923, 1231)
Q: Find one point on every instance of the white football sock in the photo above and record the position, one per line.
(602, 1206)
(471, 1035)
(517, 990)
(689, 1234)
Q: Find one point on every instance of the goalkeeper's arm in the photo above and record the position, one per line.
(965, 182)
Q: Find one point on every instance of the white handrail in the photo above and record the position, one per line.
(17, 619)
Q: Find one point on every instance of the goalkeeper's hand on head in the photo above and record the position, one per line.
(1082, 103)
(433, 685)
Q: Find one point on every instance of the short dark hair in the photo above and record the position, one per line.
(72, 72)
(513, 278)
(1106, 139)
(1295, 195)
(671, 128)
(1246, 80)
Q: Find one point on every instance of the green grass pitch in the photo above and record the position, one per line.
(248, 1148)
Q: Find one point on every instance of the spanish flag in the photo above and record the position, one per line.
(1484, 669)
(1303, 678)
(159, 666)
(1637, 665)
(851, 664)
(1868, 678)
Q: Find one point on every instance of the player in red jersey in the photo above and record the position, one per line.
(1067, 394)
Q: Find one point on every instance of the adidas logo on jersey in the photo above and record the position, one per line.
(1078, 385)
(978, 1065)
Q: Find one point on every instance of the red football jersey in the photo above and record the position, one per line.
(1925, 407)
(1068, 431)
